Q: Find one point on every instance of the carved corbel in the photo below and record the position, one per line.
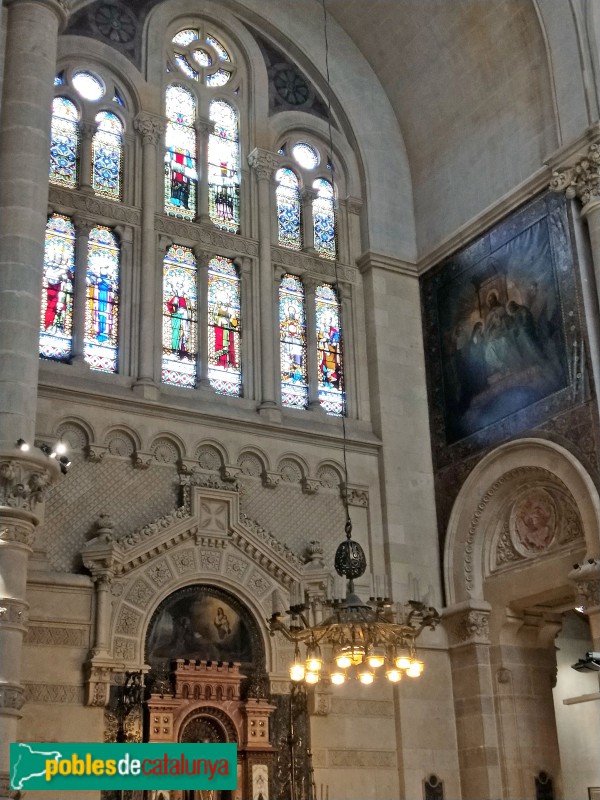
(271, 479)
(142, 460)
(96, 452)
(230, 473)
(468, 623)
(310, 485)
(586, 578)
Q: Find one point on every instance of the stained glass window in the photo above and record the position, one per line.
(185, 37)
(218, 78)
(329, 350)
(57, 291)
(324, 219)
(185, 67)
(224, 327)
(224, 167)
(221, 52)
(107, 156)
(88, 86)
(292, 337)
(305, 155)
(288, 209)
(187, 53)
(64, 143)
(102, 300)
(181, 177)
(180, 308)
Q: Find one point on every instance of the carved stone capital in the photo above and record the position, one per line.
(271, 479)
(13, 614)
(586, 578)
(87, 130)
(311, 485)
(467, 624)
(24, 481)
(582, 180)
(12, 697)
(150, 127)
(205, 127)
(264, 163)
(308, 195)
(97, 683)
(83, 224)
(354, 205)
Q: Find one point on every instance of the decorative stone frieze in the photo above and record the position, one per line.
(218, 241)
(51, 636)
(356, 496)
(467, 623)
(59, 694)
(319, 702)
(308, 265)
(72, 201)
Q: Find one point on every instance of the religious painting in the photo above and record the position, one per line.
(199, 623)
(329, 350)
(224, 327)
(495, 316)
(533, 522)
(292, 338)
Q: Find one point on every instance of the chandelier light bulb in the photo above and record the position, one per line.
(403, 659)
(297, 672)
(376, 657)
(311, 677)
(337, 678)
(415, 669)
(393, 674)
(22, 445)
(366, 677)
(314, 660)
(343, 661)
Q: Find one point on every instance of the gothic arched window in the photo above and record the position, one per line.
(324, 219)
(292, 337)
(107, 156)
(102, 300)
(64, 143)
(180, 317)
(181, 175)
(56, 324)
(288, 209)
(329, 350)
(224, 167)
(224, 327)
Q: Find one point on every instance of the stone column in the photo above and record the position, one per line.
(348, 358)
(312, 361)
(125, 234)
(86, 132)
(83, 227)
(30, 64)
(473, 687)
(244, 266)
(264, 164)
(202, 259)
(151, 128)
(204, 128)
(308, 229)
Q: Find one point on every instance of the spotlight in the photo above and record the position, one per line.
(64, 464)
(60, 448)
(591, 663)
(22, 445)
(47, 451)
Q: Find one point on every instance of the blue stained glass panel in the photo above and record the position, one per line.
(180, 320)
(102, 300)
(185, 37)
(288, 209)
(56, 322)
(324, 219)
(224, 168)
(107, 156)
(224, 327)
(64, 142)
(329, 350)
(292, 339)
(181, 176)
(221, 52)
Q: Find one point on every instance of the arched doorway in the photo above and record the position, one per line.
(524, 516)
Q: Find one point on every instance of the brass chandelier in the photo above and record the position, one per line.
(363, 637)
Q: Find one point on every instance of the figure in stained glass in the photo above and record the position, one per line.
(224, 326)
(179, 317)
(292, 332)
(102, 300)
(288, 209)
(224, 167)
(329, 346)
(107, 156)
(64, 142)
(57, 291)
(324, 219)
(181, 176)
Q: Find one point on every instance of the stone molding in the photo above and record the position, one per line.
(71, 201)
(214, 241)
(54, 636)
(362, 758)
(60, 694)
(264, 162)
(371, 260)
(586, 578)
(59, 7)
(467, 623)
(315, 267)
